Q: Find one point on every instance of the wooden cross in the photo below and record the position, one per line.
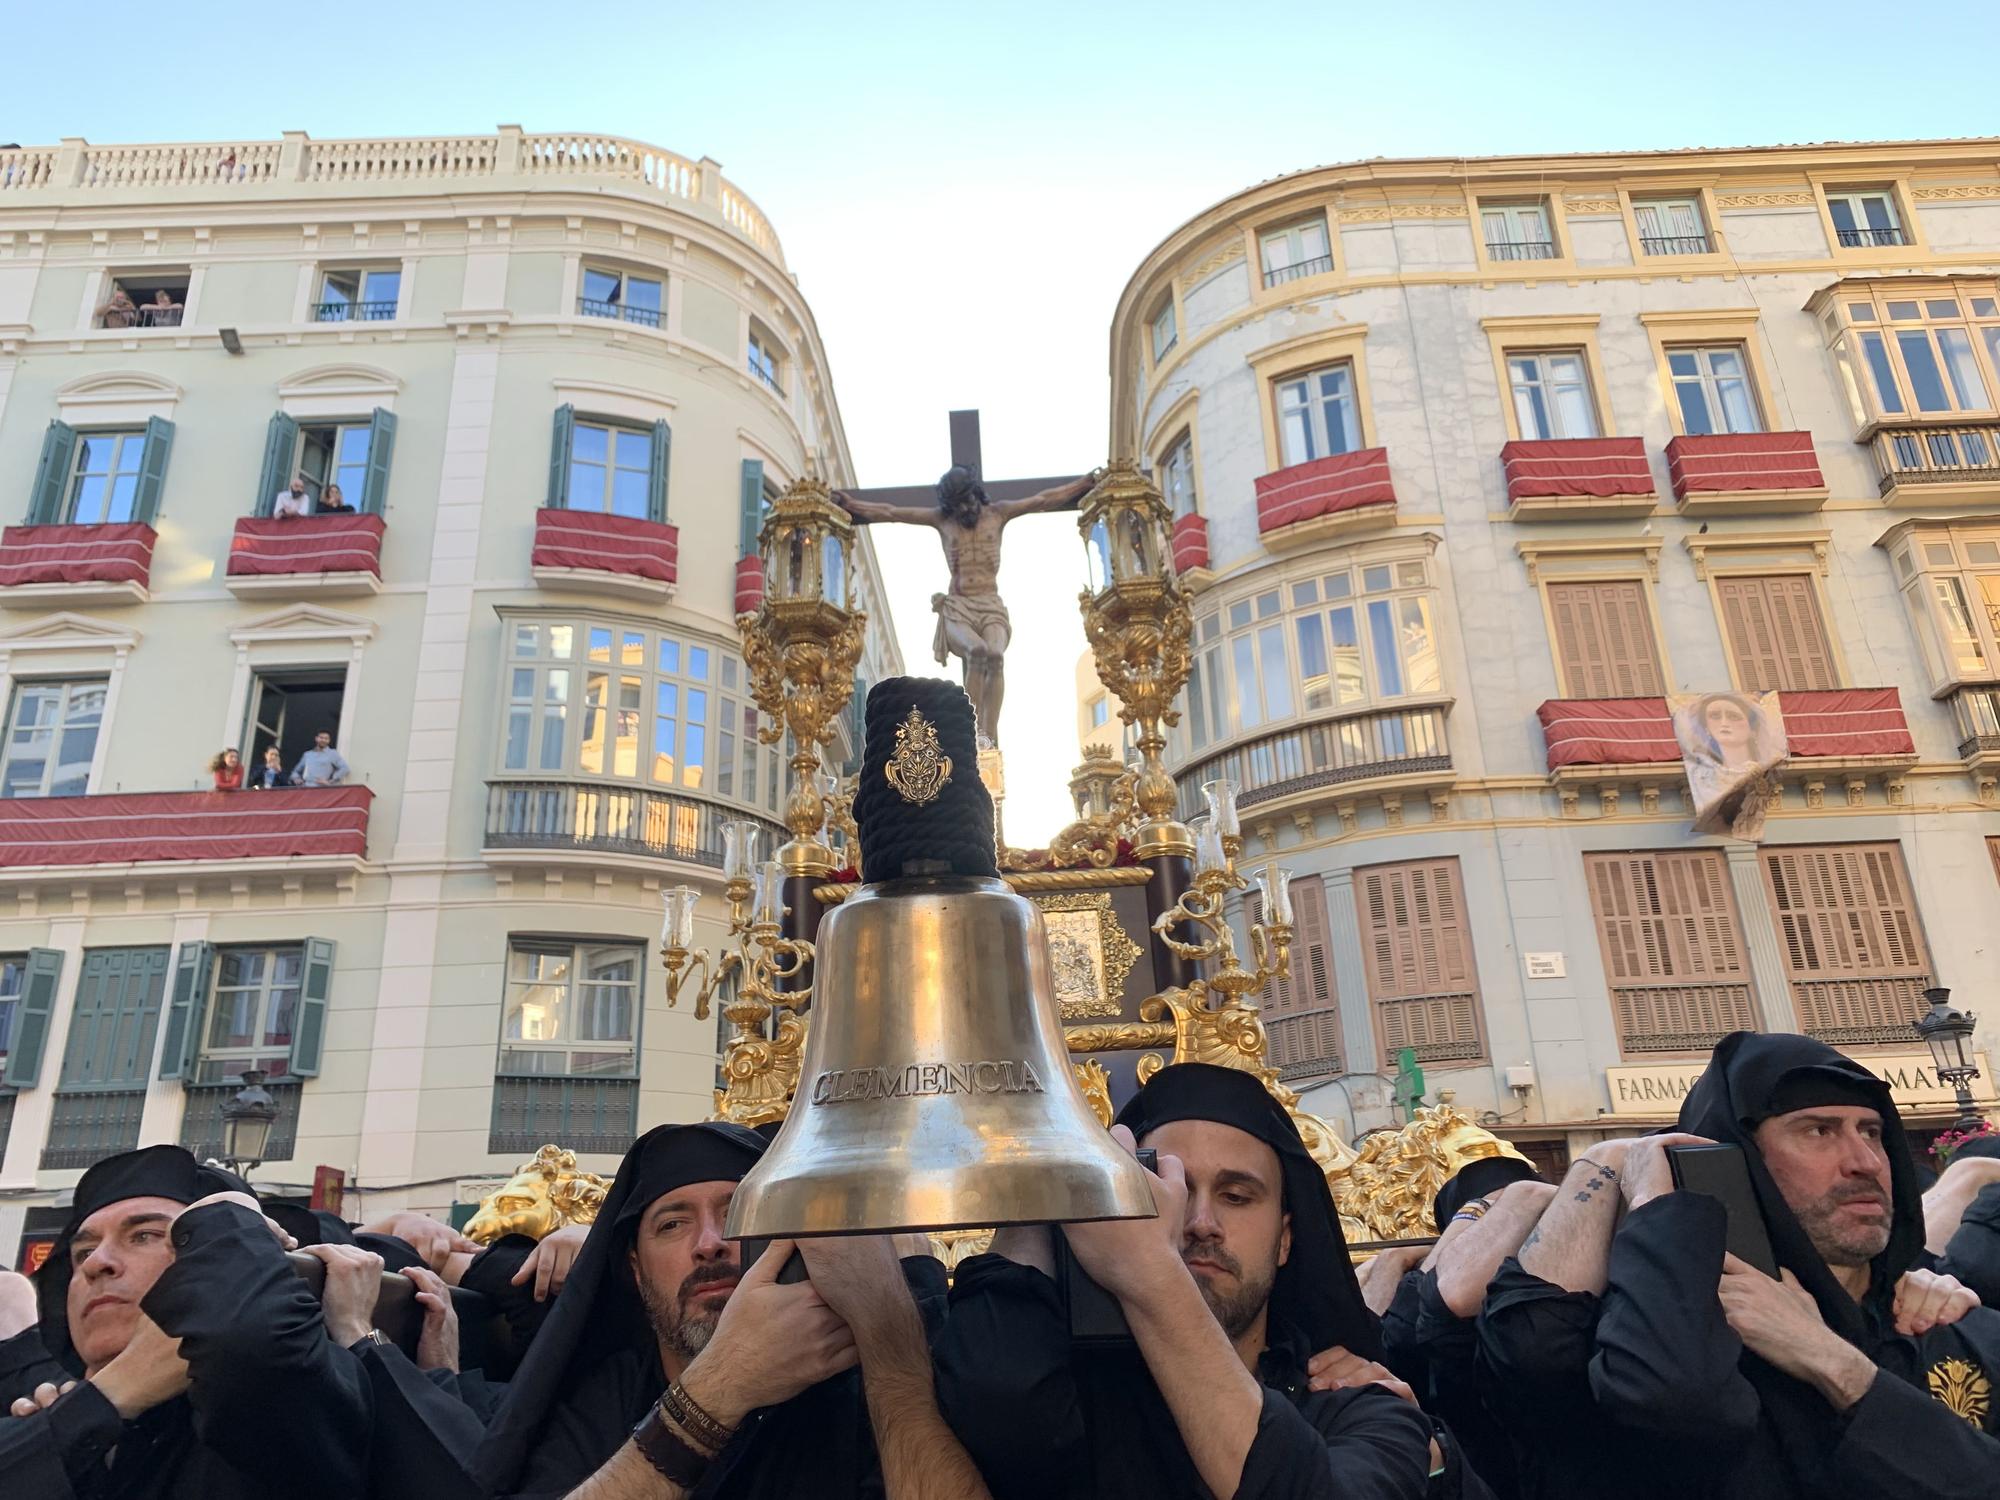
(964, 452)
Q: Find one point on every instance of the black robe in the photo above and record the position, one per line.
(1973, 1253)
(1433, 1350)
(266, 1386)
(1044, 1422)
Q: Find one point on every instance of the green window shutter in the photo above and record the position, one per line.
(31, 1018)
(656, 481)
(381, 448)
(153, 469)
(45, 503)
(187, 1010)
(309, 1029)
(281, 447)
(857, 721)
(559, 458)
(751, 518)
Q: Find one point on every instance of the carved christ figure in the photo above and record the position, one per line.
(972, 621)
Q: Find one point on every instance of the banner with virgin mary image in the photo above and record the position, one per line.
(1731, 744)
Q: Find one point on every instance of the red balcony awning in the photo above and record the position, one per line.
(1190, 542)
(1840, 722)
(147, 826)
(601, 543)
(306, 544)
(1737, 462)
(1581, 467)
(1324, 487)
(110, 552)
(749, 583)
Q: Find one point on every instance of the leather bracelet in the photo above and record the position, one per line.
(1473, 1210)
(667, 1451)
(686, 1413)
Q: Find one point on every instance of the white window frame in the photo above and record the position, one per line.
(1291, 238)
(67, 704)
(1304, 433)
(1711, 384)
(1177, 477)
(342, 430)
(1950, 580)
(366, 271)
(126, 441)
(1697, 242)
(13, 980)
(1536, 378)
(1514, 220)
(1221, 709)
(568, 1047)
(611, 468)
(1165, 330)
(765, 358)
(537, 677)
(276, 1058)
(1866, 236)
(622, 310)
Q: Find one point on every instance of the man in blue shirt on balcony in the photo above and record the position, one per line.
(322, 765)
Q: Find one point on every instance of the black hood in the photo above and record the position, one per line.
(154, 1172)
(598, 1314)
(1753, 1076)
(1315, 1296)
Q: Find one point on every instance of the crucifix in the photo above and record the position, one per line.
(968, 515)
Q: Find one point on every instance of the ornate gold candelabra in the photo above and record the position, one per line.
(1136, 617)
(761, 1069)
(801, 646)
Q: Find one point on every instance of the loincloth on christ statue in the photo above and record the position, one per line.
(973, 613)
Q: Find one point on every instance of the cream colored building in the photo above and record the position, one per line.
(1474, 461)
(1097, 722)
(555, 377)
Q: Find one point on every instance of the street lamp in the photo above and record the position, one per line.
(247, 1118)
(1947, 1031)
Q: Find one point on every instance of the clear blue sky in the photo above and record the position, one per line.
(963, 192)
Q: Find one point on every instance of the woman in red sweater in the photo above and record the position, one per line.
(228, 769)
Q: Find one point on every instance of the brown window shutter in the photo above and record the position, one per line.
(1777, 638)
(1673, 949)
(1854, 950)
(1604, 639)
(1418, 954)
(1301, 1014)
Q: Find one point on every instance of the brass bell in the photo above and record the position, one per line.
(936, 1091)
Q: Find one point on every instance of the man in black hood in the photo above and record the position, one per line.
(669, 1368)
(191, 1341)
(1229, 1291)
(1799, 1386)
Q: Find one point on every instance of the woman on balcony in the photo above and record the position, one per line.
(333, 503)
(271, 774)
(228, 769)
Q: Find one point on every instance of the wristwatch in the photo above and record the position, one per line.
(373, 1336)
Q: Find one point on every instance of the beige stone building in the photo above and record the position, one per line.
(1474, 461)
(553, 378)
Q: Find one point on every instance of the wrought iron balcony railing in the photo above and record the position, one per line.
(1690, 1017)
(1674, 244)
(1945, 454)
(1301, 757)
(1977, 710)
(593, 307)
(1319, 265)
(582, 815)
(1520, 250)
(353, 312)
(1852, 239)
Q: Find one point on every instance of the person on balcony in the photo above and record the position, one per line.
(269, 775)
(333, 503)
(163, 312)
(293, 501)
(119, 312)
(322, 765)
(228, 769)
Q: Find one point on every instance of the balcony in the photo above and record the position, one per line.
(1520, 250)
(1326, 497)
(305, 557)
(1318, 265)
(1842, 733)
(201, 1118)
(1394, 747)
(87, 1125)
(324, 823)
(593, 307)
(1190, 544)
(583, 817)
(354, 312)
(1871, 239)
(64, 565)
(1680, 1017)
(1861, 1010)
(598, 553)
(1442, 1028)
(1956, 464)
(1745, 473)
(1977, 710)
(1674, 244)
(1561, 478)
(584, 1114)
